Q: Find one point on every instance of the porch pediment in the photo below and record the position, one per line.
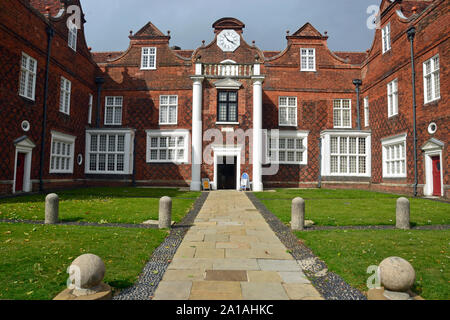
(227, 83)
(433, 144)
(24, 142)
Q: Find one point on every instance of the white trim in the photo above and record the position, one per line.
(25, 72)
(149, 67)
(394, 93)
(286, 135)
(91, 102)
(168, 105)
(168, 133)
(366, 112)
(326, 151)
(65, 93)
(67, 139)
(114, 108)
(395, 141)
(308, 57)
(341, 110)
(431, 149)
(386, 46)
(227, 151)
(128, 151)
(25, 146)
(287, 107)
(431, 74)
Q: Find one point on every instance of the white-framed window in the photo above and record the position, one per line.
(148, 58)
(346, 153)
(288, 147)
(109, 151)
(392, 92)
(62, 153)
(166, 146)
(342, 113)
(113, 111)
(366, 112)
(431, 81)
(27, 85)
(287, 111)
(72, 37)
(64, 98)
(394, 156)
(91, 102)
(386, 37)
(168, 109)
(307, 59)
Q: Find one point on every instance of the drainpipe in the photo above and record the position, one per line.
(50, 34)
(319, 185)
(411, 33)
(99, 81)
(358, 83)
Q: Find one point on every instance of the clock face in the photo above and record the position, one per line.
(228, 40)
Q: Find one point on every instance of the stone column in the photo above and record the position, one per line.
(197, 149)
(402, 214)
(257, 133)
(298, 214)
(165, 212)
(51, 209)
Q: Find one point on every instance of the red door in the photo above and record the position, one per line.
(20, 171)
(436, 176)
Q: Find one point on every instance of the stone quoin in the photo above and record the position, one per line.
(158, 115)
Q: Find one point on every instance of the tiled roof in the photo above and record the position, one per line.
(53, 5)
(270, 54)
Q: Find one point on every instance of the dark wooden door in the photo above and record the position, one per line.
(20, 171)
(226, 173)
(436, 176)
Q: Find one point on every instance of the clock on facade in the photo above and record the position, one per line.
(228, 40)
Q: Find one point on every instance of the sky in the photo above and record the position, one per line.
(190, 21)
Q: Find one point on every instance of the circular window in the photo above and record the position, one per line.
(25, 126)
(80, 159)
(432, 128)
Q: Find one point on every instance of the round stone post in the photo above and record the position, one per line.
(165, 212)
(402, 214)
(298, 214)
(51, 208)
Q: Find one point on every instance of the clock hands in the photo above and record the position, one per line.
(229, 39)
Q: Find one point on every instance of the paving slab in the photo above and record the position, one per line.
(231, 253)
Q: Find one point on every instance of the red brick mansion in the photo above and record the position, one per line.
(156, 115)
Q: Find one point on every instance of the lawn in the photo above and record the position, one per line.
(350, 252)
(352, 207)
(101, 205)
(34, 258)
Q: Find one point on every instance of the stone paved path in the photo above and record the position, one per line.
(230, 253)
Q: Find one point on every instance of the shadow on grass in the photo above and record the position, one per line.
(120, 284)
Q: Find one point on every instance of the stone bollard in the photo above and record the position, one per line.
(397, 276)
(298, 214)
(51, 209)
(85, 281)
(165, 212)
(402, 214)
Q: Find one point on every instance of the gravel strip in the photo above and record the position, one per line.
(429, 227)
(155, 268)
(330, 285)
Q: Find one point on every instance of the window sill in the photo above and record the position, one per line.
(432, 103)
(288, 125)
(227, 123)
(29, 100)
(147, 69)
(308, 70)
(168, 124)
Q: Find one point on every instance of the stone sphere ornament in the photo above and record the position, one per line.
(396, 274)
(86, 274)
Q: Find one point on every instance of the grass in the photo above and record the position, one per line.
(350, 252)
(352, 207)
(34, 258)
(101, 205)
